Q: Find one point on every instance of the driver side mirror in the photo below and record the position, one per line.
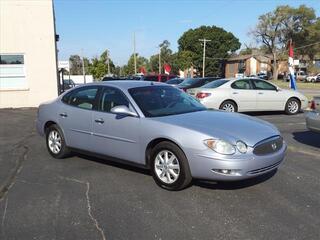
(123, 110)
(278, 89)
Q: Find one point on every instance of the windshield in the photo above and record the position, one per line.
(158, 101)
(214, 84)
(189, 82)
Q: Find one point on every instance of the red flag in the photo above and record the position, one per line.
(290, 50)
(143, 70)
(167, 68)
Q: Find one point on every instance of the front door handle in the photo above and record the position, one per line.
(235, 93)
(99, 120)
(64, 115)
(260, 93)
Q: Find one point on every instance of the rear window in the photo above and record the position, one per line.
(215, 84)
(189, 82)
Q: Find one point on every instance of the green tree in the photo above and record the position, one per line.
(222, 44)
(75, 65)
(276, 28)
(128, 69)
(166, 57)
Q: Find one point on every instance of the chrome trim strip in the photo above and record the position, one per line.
(113, 138)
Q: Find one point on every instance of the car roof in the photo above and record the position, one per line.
(127, 84)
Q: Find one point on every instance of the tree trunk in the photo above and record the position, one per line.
(274, 66)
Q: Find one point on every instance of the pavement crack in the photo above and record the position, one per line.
(4, 214)
(9, 182)
(89, 206)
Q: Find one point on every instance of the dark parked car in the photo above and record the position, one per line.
(263, 76)
(195, 82)
(68, 83)
(175, 81)
(158, 78)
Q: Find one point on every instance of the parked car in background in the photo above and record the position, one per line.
(195, 82)
(175, 81)
(313, 116)
(314, 78)
(158, 78)
(263, 76)
(161, 128)
(68, 83)
(248, 94)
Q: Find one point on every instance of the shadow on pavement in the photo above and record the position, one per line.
(235, 185)
(308, 138)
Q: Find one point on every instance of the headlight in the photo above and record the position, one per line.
(220, 146)
(242, 147)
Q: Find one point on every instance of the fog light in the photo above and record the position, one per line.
(235, 172)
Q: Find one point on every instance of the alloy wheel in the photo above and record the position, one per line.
(228, 107)
(54, 142)
(293, 106)
(167, 167)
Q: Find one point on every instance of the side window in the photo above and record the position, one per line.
(82, 98)
(241, 84)
(112, 97)
(262, 85)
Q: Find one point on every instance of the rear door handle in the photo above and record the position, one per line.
(64, 115)
(235, 93)
(99, 120)
(260, 93)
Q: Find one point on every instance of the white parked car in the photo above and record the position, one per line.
(249, 94)
(314, 78)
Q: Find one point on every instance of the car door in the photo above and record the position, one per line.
(75, 116)
(243, 94)
(115, 135)
(268, 96)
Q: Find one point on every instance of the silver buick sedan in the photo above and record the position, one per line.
(159, 127)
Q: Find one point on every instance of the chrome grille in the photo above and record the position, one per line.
(261, 170)
(268, 146)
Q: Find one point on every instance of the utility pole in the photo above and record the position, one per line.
(204, 54)
(160, 59)
(108, 62)
(83, 70)
(134, 53)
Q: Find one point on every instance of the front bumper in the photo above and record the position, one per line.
(313, 121)
(204, 164)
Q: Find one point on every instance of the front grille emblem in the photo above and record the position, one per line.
(274, 146)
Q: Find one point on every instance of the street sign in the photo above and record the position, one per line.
(64, 65)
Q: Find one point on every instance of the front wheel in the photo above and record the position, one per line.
(292, 106)
(169, 167)
(56, 144)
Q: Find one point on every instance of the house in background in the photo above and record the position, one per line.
(28, 61)
(250, 64)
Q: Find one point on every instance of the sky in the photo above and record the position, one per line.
(88, 27)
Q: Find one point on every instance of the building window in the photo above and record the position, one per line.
(12, 72)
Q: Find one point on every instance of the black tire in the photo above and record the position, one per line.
(224, 105)
(64, 150)
(293, 106)
(184, 177)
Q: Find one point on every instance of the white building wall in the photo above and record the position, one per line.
(27, 27)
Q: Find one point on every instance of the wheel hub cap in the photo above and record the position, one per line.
(54, 142)
(167, 167)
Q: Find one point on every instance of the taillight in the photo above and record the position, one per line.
(313, 105)
(202, 95)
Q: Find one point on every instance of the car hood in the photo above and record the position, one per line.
(224, 125)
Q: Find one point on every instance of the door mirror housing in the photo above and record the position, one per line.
(123, 110)
(278, 89)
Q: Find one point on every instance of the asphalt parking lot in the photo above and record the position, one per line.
(88, 198)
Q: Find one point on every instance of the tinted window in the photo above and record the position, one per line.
(174, 81)
(241, 84)
(215, 84)
(263, 85)
(11, 59)
(112, 97)
(189, 82)
(82, 98)
(151, 78)
(157, 101)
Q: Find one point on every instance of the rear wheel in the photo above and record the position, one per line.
(229, 106)
(56, 144)
(292, 106)
(169, 167)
